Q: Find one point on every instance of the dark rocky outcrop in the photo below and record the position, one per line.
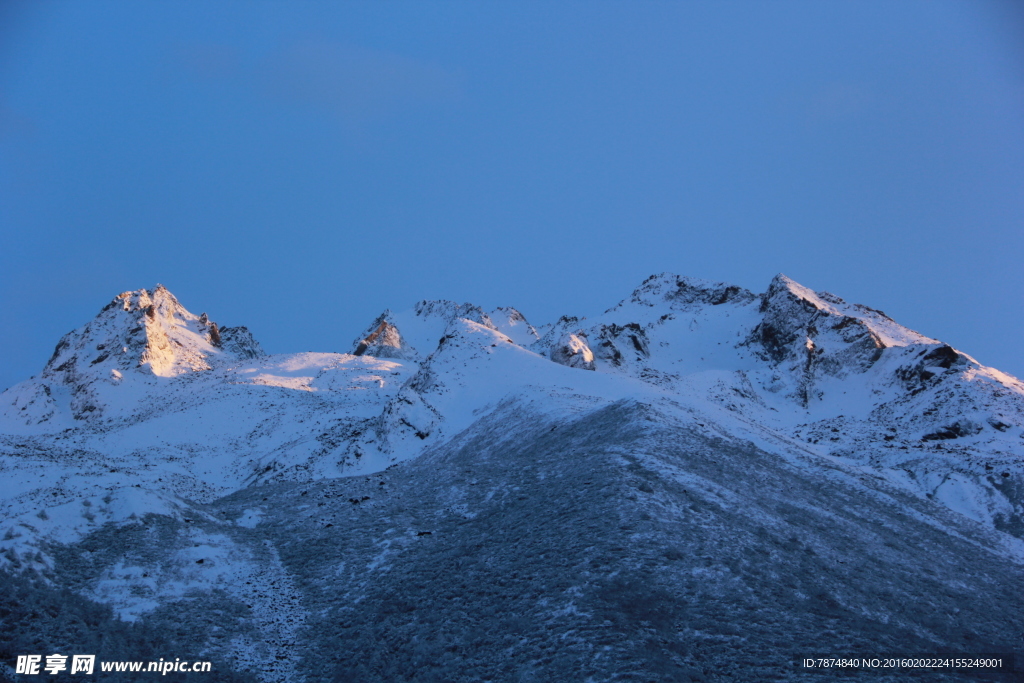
(239, 341)
(622, 344)
(682, 292)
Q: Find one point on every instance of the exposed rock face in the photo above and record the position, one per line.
(566, 343)
(137, 331)
(818, 334)
(140, 331)
(382, 339)
(622, 344)
(572, 350)
(449, 311)
(681, 292)
(929, 363)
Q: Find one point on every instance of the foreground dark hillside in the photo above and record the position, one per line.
(623, 545)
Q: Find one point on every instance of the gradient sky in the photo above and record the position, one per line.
(299, 167)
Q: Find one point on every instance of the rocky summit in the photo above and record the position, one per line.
(701, 484)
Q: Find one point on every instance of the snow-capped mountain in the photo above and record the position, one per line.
(151, 415)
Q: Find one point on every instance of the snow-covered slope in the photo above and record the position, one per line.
(843, 379)
(152, 410)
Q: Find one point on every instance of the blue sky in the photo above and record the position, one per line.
(299, 167)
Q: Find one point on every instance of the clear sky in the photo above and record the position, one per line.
(298, 167)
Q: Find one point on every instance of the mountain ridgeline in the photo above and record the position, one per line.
(655, 493)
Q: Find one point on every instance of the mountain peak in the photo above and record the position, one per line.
(143, 330)
(681, 291)
(514, 325)
(382, 339)
(783, 286)
(450, 311)
(800, 303)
